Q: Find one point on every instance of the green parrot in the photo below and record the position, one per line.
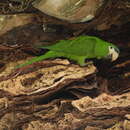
(79, 49)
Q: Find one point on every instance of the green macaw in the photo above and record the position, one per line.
(79, 49)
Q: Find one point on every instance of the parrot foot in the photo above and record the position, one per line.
(82, 63)
(89, 64)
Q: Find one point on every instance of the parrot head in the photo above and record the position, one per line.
(113, 52)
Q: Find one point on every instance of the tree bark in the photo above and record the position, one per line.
(57, 94)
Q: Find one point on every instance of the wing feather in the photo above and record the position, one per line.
(81, 46)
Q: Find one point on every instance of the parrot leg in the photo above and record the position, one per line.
(89, 63)
(81, 61)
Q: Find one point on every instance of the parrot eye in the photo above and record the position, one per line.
(113, 52)
(111, 47)
(114, 49)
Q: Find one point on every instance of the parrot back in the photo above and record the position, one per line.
(81, 46)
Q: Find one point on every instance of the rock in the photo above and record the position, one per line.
(74, 11)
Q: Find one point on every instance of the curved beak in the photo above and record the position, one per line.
(115, 54)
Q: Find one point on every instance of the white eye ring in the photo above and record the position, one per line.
(111, 47)
(113, 53)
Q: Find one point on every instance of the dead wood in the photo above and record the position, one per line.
(57, 94)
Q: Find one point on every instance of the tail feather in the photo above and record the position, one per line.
(47, 55)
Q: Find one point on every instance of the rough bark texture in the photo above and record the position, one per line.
(58, 94)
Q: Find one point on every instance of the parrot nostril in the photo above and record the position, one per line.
(117, 50)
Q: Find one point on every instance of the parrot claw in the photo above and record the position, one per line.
(89, 64)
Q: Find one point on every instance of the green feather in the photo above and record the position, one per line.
(78, 49)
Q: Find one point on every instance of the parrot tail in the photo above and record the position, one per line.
(49, 54)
